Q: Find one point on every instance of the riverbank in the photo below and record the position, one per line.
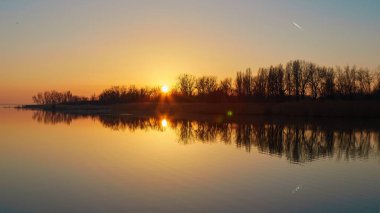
(369, 109)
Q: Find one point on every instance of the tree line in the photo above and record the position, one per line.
(295, 80)
(55, 97)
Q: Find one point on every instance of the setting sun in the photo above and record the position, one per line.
(164, 89)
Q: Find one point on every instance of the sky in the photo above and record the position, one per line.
(89, 45)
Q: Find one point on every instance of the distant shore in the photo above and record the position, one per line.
(357, 109)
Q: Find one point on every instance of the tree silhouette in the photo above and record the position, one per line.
(186, 84)
(296, 80)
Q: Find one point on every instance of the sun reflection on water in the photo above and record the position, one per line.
(164, 123)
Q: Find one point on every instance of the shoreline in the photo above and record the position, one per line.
(307, 109)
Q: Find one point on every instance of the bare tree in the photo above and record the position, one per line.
(322, 82)
(211, 85)
(364, 80)
(244, 83)
(316, 81)
(296, 74)
(376, 83)
(288, 81)
(275, 81)
(346, 81)
(239, 83)
(307, 71)
(248, 82)
(186, 84)
(225, 87)
(206, 85)
(260, 83)
(39, 98)
(54, 97)
(293, 78)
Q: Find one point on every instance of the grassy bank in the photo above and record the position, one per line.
(370, 109)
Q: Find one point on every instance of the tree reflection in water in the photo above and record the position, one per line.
(299, 141)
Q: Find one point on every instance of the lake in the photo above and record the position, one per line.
(52, 162)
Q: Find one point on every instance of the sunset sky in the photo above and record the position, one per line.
(87, 46)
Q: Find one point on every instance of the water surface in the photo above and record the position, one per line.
(117, 163)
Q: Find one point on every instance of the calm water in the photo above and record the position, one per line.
(102, 163)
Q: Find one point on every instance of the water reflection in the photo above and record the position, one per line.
(164, 123)
(299, 141)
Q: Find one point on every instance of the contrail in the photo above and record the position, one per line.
(299, 187)
(298, 26)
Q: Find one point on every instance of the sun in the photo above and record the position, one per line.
(164, 89)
